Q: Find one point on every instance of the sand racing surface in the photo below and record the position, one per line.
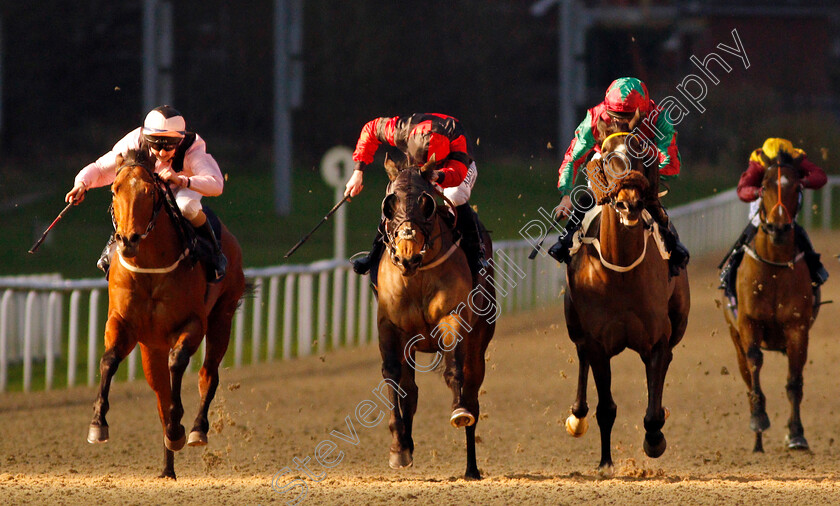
(268, 415)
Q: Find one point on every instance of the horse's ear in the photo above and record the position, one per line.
(765, 159)
(636, 118)
(428, 170)
(389, 205)
(391, 168)
(601, 127)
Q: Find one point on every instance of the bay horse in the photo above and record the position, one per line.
(427, 302)
(159, 299)
(776, 303)
(620, 295)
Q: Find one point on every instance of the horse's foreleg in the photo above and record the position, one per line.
(605, 412)
(759, 421)
(408, 406)
(179, 358)
(157, 375)
(797, 352)
(217, 339)
(576, 424)
(118, 344)
(390, 349)
(656, 366)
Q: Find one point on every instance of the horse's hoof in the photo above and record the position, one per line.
(400, 459)
(575, 426)
(197, 438)
(97, 434)
(760, 422)
(472, 475)
(461, 418)
(667, 412)
(655, 450)
(796, 443)
(606, 471)
(167, 474)
(174, 445)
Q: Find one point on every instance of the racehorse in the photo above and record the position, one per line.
(429, 303)
(620, 294)
(159, 299)
(776, 302)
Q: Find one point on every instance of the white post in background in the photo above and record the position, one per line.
(336, 168)
(157, 53)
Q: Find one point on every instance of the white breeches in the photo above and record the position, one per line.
(461, 194)
(189, 202)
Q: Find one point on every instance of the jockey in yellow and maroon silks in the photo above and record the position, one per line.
(812, 177)
(624, 98)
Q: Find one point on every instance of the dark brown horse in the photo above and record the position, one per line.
(620, 296)
(428, 303)
(158, 299)
(776, 303)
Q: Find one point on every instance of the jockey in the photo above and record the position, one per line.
(421, 137)
(181, 160)
(749, 190)
(624, 97)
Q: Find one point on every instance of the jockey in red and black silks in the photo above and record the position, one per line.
(623, 98)
(812, 177)
(421, 137)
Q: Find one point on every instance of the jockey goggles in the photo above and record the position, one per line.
(163, 143)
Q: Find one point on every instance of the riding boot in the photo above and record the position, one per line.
(219, 261)
(104, 262)
(818, 273)
(729, 266)
(560, 250)
(679, 255)
(471, 238)
(364, 264)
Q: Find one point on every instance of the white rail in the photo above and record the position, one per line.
(298, 310)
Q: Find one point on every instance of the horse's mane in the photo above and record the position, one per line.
(137, 157)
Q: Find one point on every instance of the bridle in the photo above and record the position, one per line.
(163, 198)
(762, 215)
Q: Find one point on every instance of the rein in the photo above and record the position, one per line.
(163, 198)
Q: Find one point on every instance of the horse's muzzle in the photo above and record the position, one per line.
(127, 246)
(409, 266)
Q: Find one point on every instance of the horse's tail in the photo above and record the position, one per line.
(249, 293)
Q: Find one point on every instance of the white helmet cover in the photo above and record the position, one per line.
(164, 121)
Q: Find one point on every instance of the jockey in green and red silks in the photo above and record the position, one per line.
(624, 98)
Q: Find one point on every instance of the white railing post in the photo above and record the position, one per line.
(288, 309)
(321, 329)
(337, 306)
(73, 337)
(256, 331)
(52, 331)
(132, 362)
(350, 321)
(239, 339)
(93, 333)
(364, 309)
(4, 338)
(825, 207)
(29, 319)
(304, 315)
(273, 316)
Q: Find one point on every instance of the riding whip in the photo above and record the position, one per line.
(323, 220)
(47, 231)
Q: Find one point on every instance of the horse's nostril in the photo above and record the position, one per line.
(416, 259)
(135, 238)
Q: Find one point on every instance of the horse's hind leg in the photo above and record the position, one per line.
(605, 412)
(218, 337)
(157, 375)
(576, 424)
(179, 358)
(656, 366)
(797, 352)
(474, 368)
(759, 421)
(115, 351)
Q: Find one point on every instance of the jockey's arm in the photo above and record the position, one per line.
(374, 133)
(579, 148)
(749, 186)
(812, 176)
(103, 171)
(205, 175)
(669, 154)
